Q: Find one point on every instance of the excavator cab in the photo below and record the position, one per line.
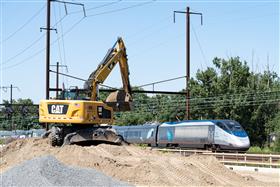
(74, 94)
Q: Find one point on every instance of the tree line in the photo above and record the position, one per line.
(227, 90)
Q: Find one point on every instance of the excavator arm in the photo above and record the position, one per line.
(120, 100)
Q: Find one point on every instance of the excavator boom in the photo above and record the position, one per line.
(120, 100)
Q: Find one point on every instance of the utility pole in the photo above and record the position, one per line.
(57, 76)
(9, 109)
(11, 87)
(188, 13)
(48, 38)
(11, 96)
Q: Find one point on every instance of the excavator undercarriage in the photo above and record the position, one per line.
(77, 134)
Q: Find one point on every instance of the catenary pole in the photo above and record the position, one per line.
(48, 49)
(188, 13)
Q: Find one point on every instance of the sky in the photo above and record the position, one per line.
(155, 45)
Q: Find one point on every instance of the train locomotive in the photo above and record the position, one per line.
(201, 134)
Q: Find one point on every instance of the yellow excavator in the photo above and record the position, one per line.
(79, 116)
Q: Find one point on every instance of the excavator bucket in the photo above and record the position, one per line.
(120, 101)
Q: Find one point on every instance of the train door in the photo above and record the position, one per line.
(211, 134)
(155, 137)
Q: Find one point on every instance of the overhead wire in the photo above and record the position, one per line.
(62, 39)
(244, 97)
(148, 107)
(96, 7)
(157, 31)
(146, 51)
(199, 45)
(64, 62)
(142, 30)
(230, 96)
(30, 45)
(24, 25)
(163, 81)
(215, 105)
(41, 50)
(74, 25)
(57, 35)
(25, 49)
(121, 9)
(176, 107)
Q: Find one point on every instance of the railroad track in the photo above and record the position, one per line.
(247, 159)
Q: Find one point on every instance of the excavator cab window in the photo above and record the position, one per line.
(74, 94)
(68, 95)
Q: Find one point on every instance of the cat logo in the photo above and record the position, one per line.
(57, 109)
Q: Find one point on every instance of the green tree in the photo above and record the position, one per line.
(23, 114)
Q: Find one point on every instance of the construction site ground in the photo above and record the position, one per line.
(136, 165)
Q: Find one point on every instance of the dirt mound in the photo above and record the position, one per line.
(132, 164)
(48, 171)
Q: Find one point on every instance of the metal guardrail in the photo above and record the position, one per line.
(244, 159)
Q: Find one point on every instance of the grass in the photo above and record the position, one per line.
(264, 150)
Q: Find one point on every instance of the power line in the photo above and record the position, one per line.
(242, 97)
(25, 49)
(31, 45)
(199, 45)
(63, 48)
(160, 105)
(74, 25)
(162, 43)
(62, 38)
(170, 103)
(228, 96)
(163, 81)
(138, 109)
(157, 31)
(25, 24)
(41, 50)
(121, 9)
(24, 60)
(97, 7)
(59, 49)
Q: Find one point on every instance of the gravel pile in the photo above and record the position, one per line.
(48, 171)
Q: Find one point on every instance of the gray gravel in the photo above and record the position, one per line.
(48, 171)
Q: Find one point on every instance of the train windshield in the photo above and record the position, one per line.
(233, 126)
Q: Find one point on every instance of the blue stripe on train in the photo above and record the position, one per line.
(240, 133)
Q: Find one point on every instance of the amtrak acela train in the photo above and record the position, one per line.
(205, 134)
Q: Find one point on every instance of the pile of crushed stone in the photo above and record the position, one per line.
(48, 171)
(132, 164)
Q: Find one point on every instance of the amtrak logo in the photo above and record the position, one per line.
(169, 135)
(150, 133)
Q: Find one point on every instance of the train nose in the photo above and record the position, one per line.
(243, 142)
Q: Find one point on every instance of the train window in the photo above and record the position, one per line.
(234, 126)
(133, 134)
(221, 125)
